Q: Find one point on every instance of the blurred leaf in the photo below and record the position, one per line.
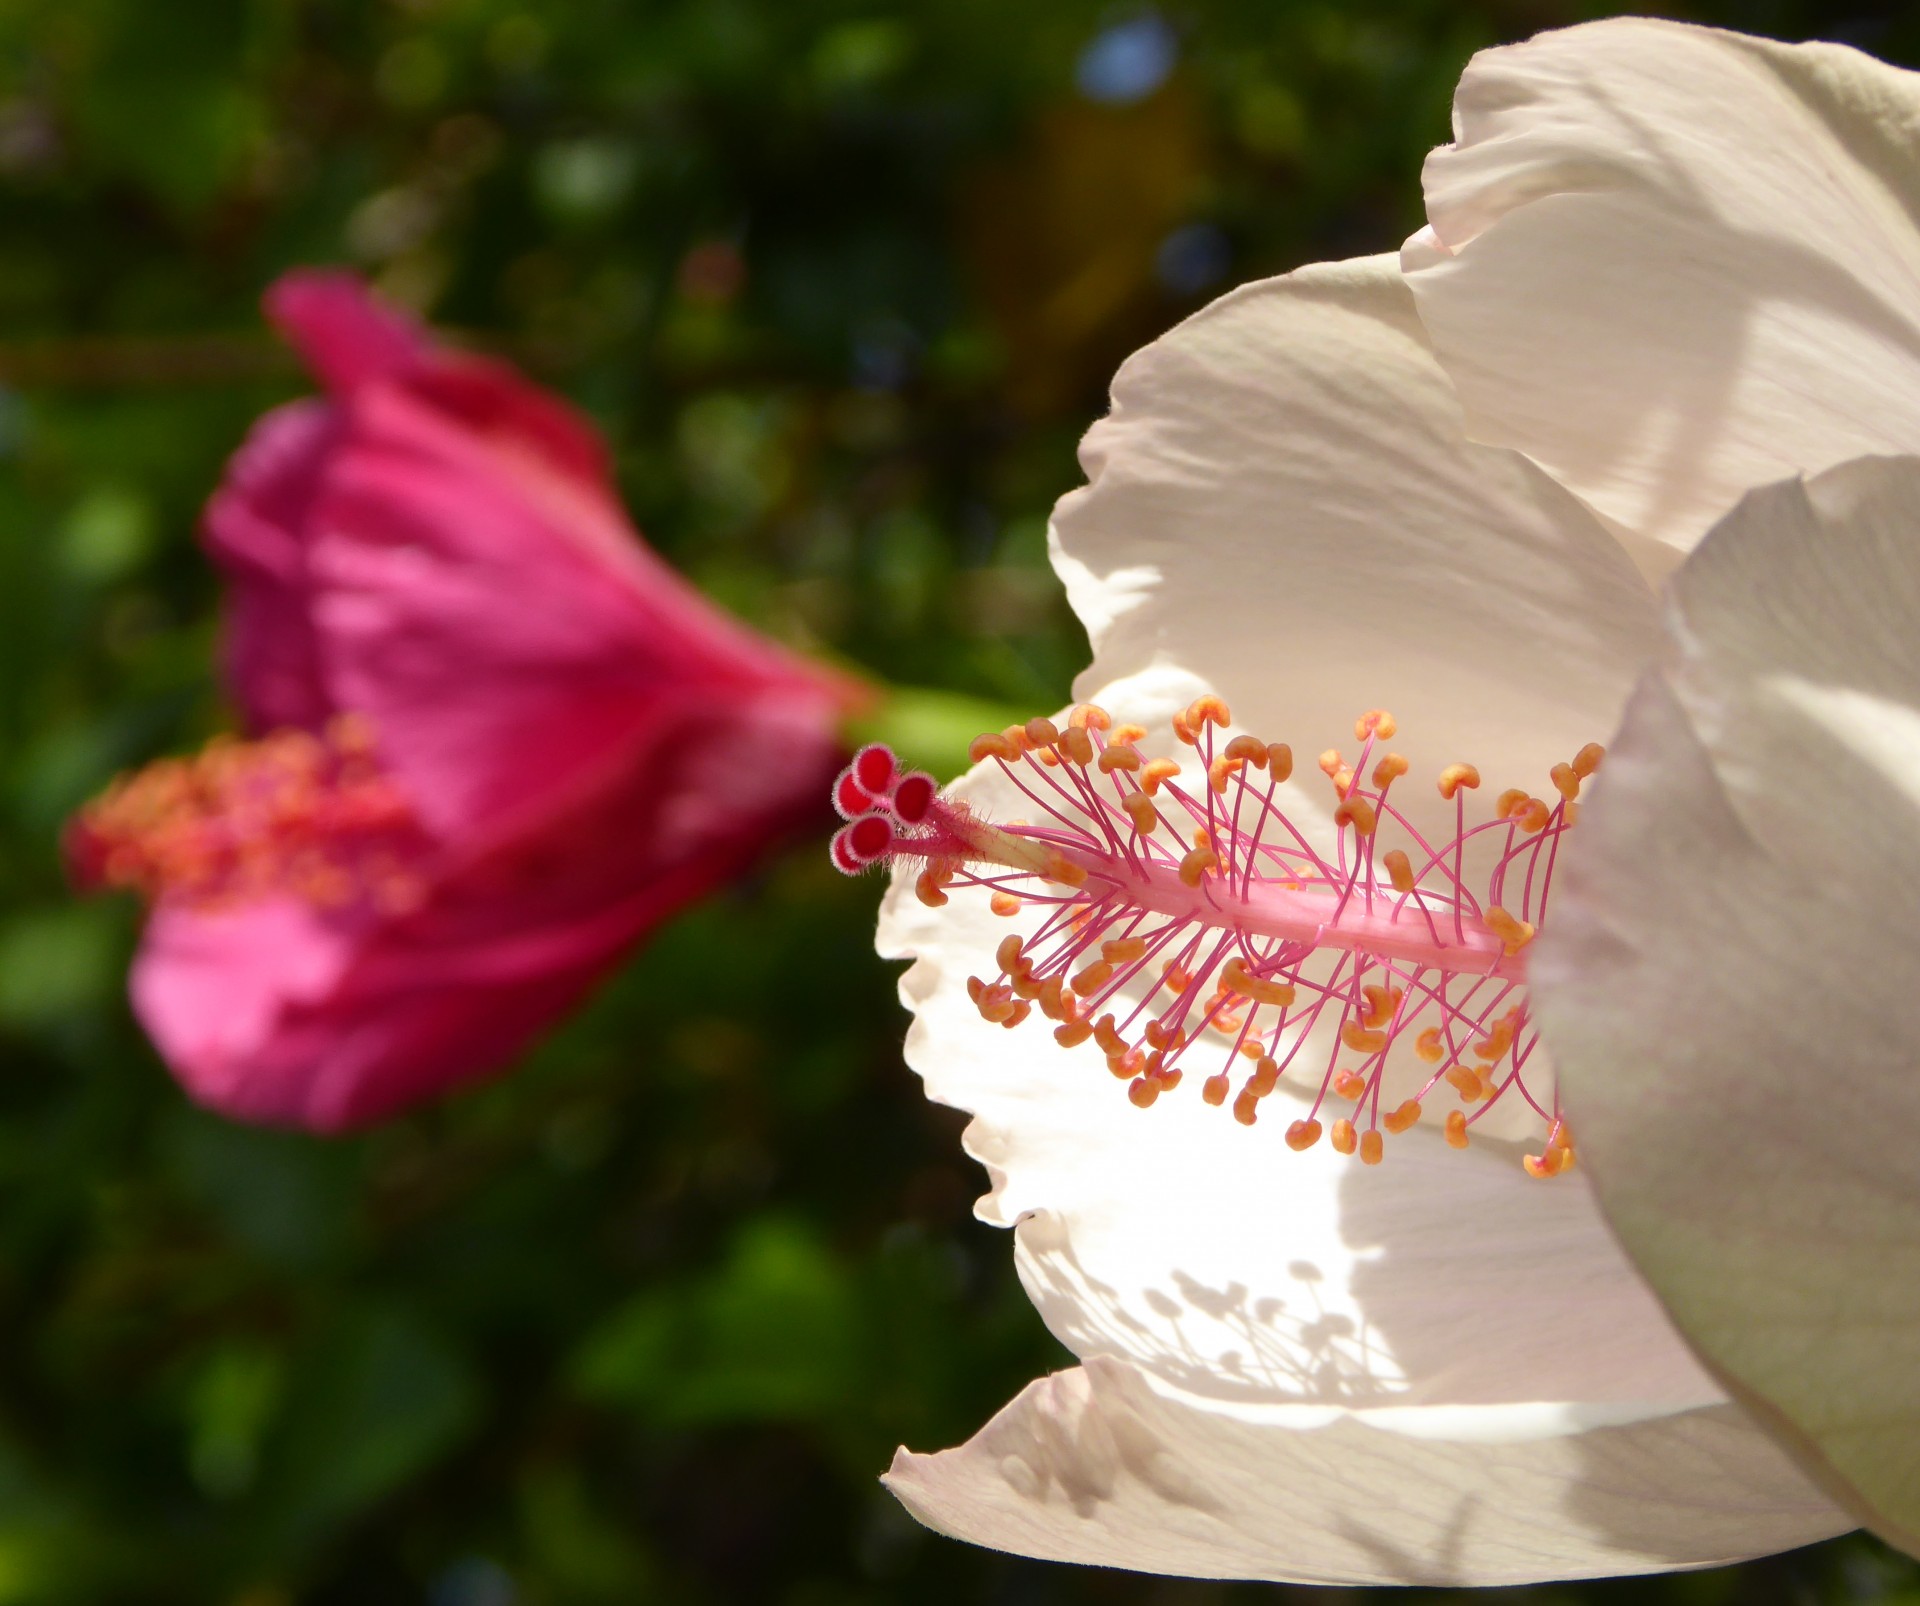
(375, 1401)
(931, 729)
(284, 1196)
(771, 1333)
(57, 962)
(109, 534)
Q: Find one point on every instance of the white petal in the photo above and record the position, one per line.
(1226, 1264)
(1671, 264)
(1283, 504)
(1095, 1465)
(1729, 983)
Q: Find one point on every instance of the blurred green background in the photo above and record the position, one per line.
(843, 283)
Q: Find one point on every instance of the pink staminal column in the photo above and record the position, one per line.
(1185, 921)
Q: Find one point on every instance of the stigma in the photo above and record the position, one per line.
(1170, 917)
(293, 814)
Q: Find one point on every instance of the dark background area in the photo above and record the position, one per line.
(843, 284)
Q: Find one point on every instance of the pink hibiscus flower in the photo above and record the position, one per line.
(498, 741)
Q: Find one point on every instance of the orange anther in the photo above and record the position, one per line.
(1168, 1079)
(1246, 1107)
(1194, 867)
(1455, 776)
(1514, 934)
(1266, 1075)
(1565, 782)
(1331, 763)
(1372, 1147)
(1160, 1035)
(1248, 750)
(1017, 734)
(1280, 760)
(1063, 870)
(1143, 1092)
(1303, 1135)
(1534, 816)
(1360, 1040)
(1235, 978)
(1375, 722)
(1214, 1089)
(1587, 760)
(1076, 744)
(1123, 950)
(1466, 1082)
(1399, 870)
(976, 988)
(1349, 1086)
(1403, 1118)
(1380, 1004)
(1221, 771)
(1183, 728)
(1089, 716)
(1019, 1013)
(1249, 1049)
(1358, 813)
(1123, 734)
(1510, 803)
(1456, 1129)
(1023, 983)
(1008, 953)
(1494, 1046)
(992, 744)
(1343, 1137)
(1209, 707)
(1095, 976)
(1002, 903)
(1140, 809)
(1041, 731)
(1154, 772)
(926, 887)
(1127, 1065)
(1173, 975)
(1427, 1046)
(1389, 770)
(1119, 756)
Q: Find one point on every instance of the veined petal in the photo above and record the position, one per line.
(1728, 985)
(1671, 264)
(1095, 1465)
(1283, 504)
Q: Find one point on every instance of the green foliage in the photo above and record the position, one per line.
(842, 283)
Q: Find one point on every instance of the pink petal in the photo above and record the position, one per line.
(347, 336)
(255, 529)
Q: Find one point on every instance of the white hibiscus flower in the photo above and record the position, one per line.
(1699, 275)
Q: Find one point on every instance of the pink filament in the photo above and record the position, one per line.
(1329, 928)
